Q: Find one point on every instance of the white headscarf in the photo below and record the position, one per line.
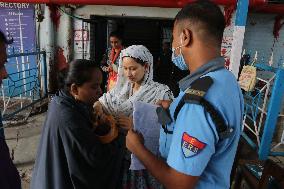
(118, 100)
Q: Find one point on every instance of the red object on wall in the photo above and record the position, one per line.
(277, 9)
(228, 13)
(255, 5)
(54, 14)
(145, 3)
(61, 60)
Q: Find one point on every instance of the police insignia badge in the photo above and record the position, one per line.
(191, 146)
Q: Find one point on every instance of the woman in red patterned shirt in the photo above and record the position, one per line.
(110, 60)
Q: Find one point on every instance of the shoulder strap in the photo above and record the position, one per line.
(195, 95)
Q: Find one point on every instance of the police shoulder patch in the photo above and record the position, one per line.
(191, 146)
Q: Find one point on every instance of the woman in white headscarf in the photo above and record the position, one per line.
(135, 83)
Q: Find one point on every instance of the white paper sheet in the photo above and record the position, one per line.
(145, 121)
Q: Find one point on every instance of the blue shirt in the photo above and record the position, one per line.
(194, 148)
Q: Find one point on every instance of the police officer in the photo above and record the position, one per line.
(199, 142)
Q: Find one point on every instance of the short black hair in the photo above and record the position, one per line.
(116, 34)
(79, 72)
(3, 38)
(208, 15)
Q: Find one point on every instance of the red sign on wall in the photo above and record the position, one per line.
(80, 35)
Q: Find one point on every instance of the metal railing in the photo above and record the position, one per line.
(262, 107)
(26, 83)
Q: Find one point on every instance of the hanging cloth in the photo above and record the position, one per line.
(112, 77)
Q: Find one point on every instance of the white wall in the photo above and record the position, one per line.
(259, 37)
(128, 11)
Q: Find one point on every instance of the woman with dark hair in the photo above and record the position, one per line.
(70, 154)
(110, 60)
(135, 83)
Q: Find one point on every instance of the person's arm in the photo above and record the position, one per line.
(192, 145)
(100, 108)
(164, 103)
(106, 67)
(125, 122)
(166, 175)
(81, 142)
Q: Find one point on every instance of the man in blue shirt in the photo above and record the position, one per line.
(197, 153)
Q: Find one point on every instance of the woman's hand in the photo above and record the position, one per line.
(125, 122)
(164, 103)
(104, 68)
(98, 109)
(133, 140)
(107, 68)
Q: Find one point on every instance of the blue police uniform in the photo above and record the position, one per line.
(195, 147)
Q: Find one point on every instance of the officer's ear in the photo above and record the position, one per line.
(186, 37)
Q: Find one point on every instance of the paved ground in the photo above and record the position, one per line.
(23, 141)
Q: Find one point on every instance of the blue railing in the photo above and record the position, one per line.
(272, 110)
(26, 83)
